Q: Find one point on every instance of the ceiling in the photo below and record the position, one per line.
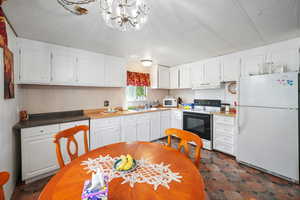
(178, 31)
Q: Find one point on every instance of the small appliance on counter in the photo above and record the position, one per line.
(170, 102)
(200, 120)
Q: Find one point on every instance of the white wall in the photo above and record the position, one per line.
(8, 117)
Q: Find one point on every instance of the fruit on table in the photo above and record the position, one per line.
(126, 163)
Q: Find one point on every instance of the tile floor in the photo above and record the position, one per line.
(224, 178)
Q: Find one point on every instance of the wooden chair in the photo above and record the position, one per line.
(4, 176)
(69, 135)
(185, 137)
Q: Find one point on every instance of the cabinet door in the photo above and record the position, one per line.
(38, 139)
(176, 119)
(64, 64)
(287, 57)
(34, 62)
(164, 77)
(165, 122)
(38, 163)
(155, 125)
(105, 136)
(143, 128)
(129, 128)
(231, 65)
(115, 72)
(185, 79)
(251, 63)
(197, 72)
(212, 71)
(91, 69)
(174, 78)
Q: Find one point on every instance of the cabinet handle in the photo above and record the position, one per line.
(51, 66)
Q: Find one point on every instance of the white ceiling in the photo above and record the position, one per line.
(178, 31)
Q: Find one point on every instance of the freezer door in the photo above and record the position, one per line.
(269, 139)
(275, 90)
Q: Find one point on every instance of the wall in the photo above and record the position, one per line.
(40, 99)
(8, 117)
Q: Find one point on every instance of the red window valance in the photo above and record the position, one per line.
(138, 79)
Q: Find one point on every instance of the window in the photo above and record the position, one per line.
(136, 93)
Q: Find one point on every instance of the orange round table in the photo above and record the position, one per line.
(67, 184)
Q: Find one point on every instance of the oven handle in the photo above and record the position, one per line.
(187, 114)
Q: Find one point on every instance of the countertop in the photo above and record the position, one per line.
(71, 116)
(227, 114)
(100, 113)
(51, 118)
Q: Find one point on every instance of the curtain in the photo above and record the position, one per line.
(138, 79)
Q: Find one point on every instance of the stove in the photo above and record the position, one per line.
(200, 119)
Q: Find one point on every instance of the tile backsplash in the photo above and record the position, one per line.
(189, 95)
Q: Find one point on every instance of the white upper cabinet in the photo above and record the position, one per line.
(231, 67)
(174, 78)
(251, 60)
(34, 62)
(185, 76)
(163, 77)
(63, 66)
(196, 74)
(90, 69)
(284, 54)
(115, 72)
(212, 71)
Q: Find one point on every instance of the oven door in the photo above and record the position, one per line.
(197, 123)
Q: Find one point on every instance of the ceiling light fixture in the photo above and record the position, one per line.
(123, 15)
(147, 63)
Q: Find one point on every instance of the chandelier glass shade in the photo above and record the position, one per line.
(123, 15)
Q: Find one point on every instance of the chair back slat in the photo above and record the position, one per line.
(186, 137)
(69, 135)
(4, 177)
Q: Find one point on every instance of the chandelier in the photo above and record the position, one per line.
(123, 15)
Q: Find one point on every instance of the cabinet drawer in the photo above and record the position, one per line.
(228, 129)
(224, 147)
(165, 113)
(39, 130)
(105, 122)
(64, 126)
(224, 120)
(226, 138)
(129, 120)
(143, 117)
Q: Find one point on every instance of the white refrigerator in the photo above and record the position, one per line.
(268, 120)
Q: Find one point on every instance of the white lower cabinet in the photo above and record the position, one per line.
(176, 119)
(129, 130)
(165, 121)
(105, 131)
(143, 127)
(38, 152)
(136, 128)
(224, 135)
(155, 126)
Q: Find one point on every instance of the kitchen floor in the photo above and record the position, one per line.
(224, 179)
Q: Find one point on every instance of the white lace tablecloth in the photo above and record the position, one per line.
(153, 174)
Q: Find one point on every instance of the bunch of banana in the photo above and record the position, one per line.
(126, 163)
